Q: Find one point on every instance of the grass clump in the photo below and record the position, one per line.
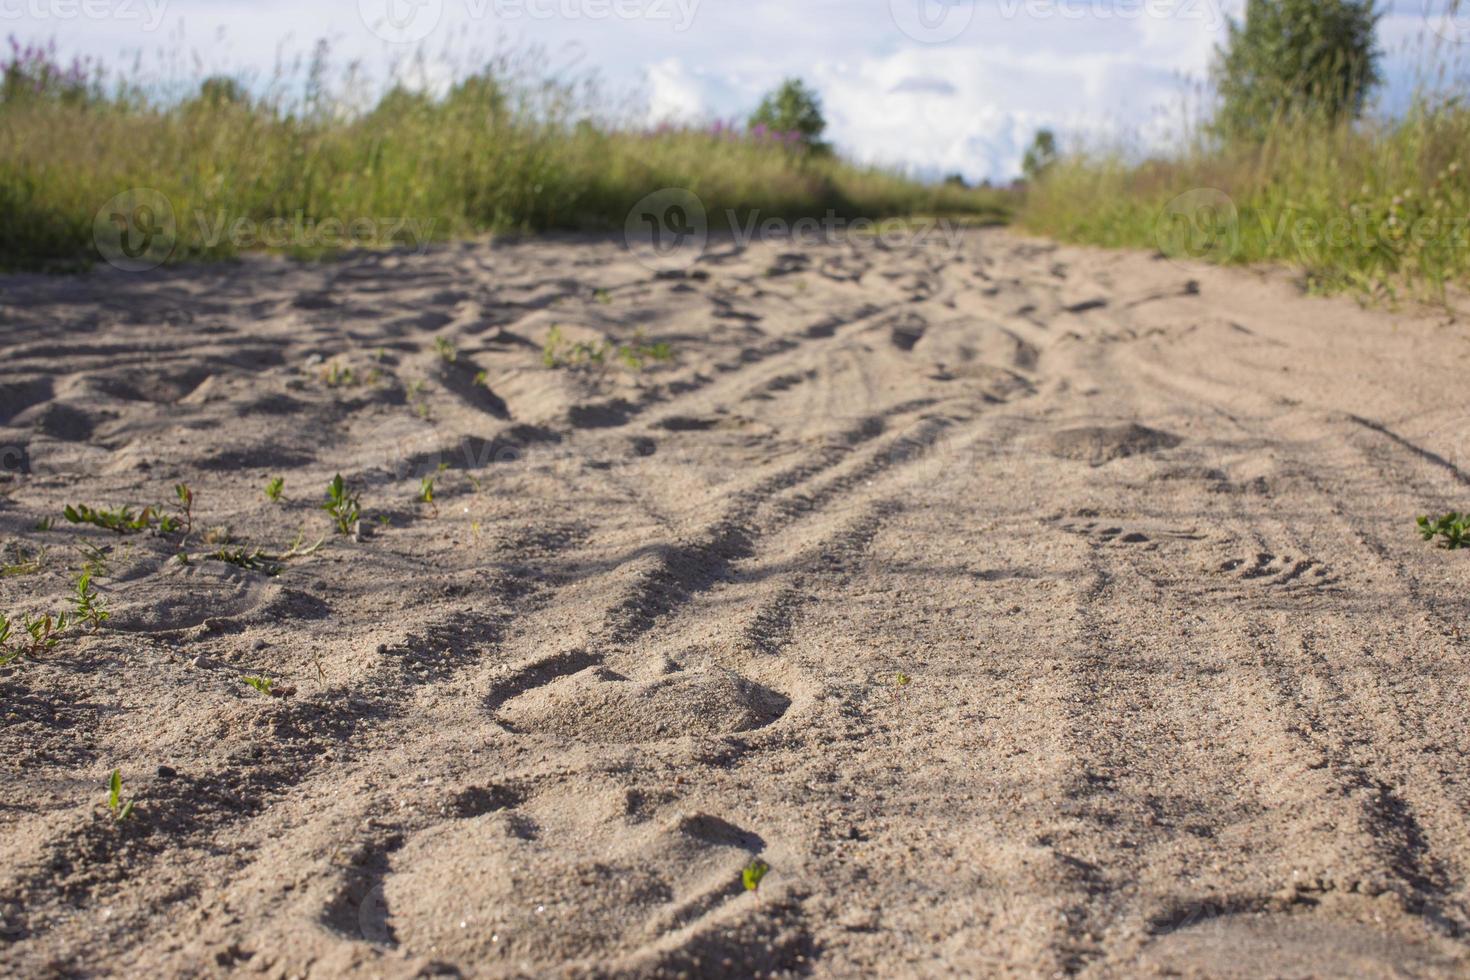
(274, 488)
(303, 167)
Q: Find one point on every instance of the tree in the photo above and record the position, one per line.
(792, 108)
(1315, 59)
(1040, 155)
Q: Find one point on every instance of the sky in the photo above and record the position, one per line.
(931, 86)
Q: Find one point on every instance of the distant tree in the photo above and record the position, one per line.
(792, 108)
(218, 90)
(1295, 58)
(1040, 155)
(956, 180)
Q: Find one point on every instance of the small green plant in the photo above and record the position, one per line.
(336, 375)
(602, 296)
(480, 378)
(6, 655)
(45, 524)
(119, 521)
(255, 561)
(426, 490)
(44, 632)
(95, 559)
(559, 352)
(19, 560)
(640, 352)
(416, 400)
(1453, 528)
(186, 505)
(446, 349)
(902, 680)
(120, 810)
(261, 684)
(344, 505)
(86, 607)
(273, 489)
(752, 874)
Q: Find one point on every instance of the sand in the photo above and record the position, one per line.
(1185, 691)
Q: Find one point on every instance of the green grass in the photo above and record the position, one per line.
(499, 152)
(1381, 209)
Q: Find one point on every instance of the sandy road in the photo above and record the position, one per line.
(1185, 691)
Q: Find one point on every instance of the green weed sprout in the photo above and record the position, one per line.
(45, 524)
(558, 352)
(752, 874)
(426, 490)
(44, 632)
(86, 607)
(1453, 527)
(186, 505)
(902, 680)
(637, 354)
(446, 349)
(119, 521)
(273, 489)
(255, 561)
(344, 505)
(120, 810)
(261, 684)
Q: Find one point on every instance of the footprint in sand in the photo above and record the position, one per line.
(598, 705)
(606, 882)
(1099, 444)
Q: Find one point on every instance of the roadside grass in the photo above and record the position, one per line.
(500, 151)
(1377, 208)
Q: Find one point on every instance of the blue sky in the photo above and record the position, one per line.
(936, 86)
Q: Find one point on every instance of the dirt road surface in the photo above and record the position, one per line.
(1027, 610)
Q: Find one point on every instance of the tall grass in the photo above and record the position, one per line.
(1378, 207)
(494, 152)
